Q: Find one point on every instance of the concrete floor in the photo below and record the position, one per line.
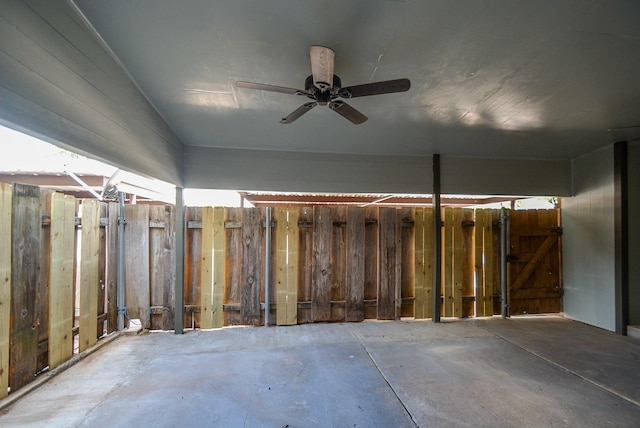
(531, 372)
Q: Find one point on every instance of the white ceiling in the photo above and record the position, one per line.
(498, 79)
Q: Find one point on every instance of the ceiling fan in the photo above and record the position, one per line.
(324, 88)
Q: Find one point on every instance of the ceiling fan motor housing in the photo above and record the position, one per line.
(322, 96)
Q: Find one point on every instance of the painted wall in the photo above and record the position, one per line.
(588, 242)
(634, 232)
(344, 173)
(59, 84)
(477, 176)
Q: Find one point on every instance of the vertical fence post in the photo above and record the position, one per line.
(120, 295)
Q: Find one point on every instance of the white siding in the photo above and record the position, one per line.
(58, 83)
(588, 242)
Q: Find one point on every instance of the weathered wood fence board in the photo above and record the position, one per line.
(42, 301)
(407, 260)
(338, 262)
(6, 196)
(252, 271)
(388, 299)
(157, 226)
(136, 249)
(447, 260)
(305, 258)
(62, 257)
(50, 292)
(112, 266)
(233, 266)
(321, 269)
(193, 265)
(457, 262)
(354, 283)
(169, 266)
(25, 264)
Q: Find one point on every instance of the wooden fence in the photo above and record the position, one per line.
(336, 264)
(58, 269)
(58, 276)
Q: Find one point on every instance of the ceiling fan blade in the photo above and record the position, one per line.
(375, 88)
(270, 88)
(348, 112)
(298, 112)
(322, 62)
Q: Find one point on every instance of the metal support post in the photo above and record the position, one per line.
(504, 248)
(120, 294)
(267, 266)
(437, 241)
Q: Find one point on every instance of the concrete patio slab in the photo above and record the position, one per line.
(481, 373)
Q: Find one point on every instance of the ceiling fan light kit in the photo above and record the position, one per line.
(324, 88)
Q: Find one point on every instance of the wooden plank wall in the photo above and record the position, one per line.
(51, 293)
(339, 264)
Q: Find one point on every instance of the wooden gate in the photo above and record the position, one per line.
(534, 269)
